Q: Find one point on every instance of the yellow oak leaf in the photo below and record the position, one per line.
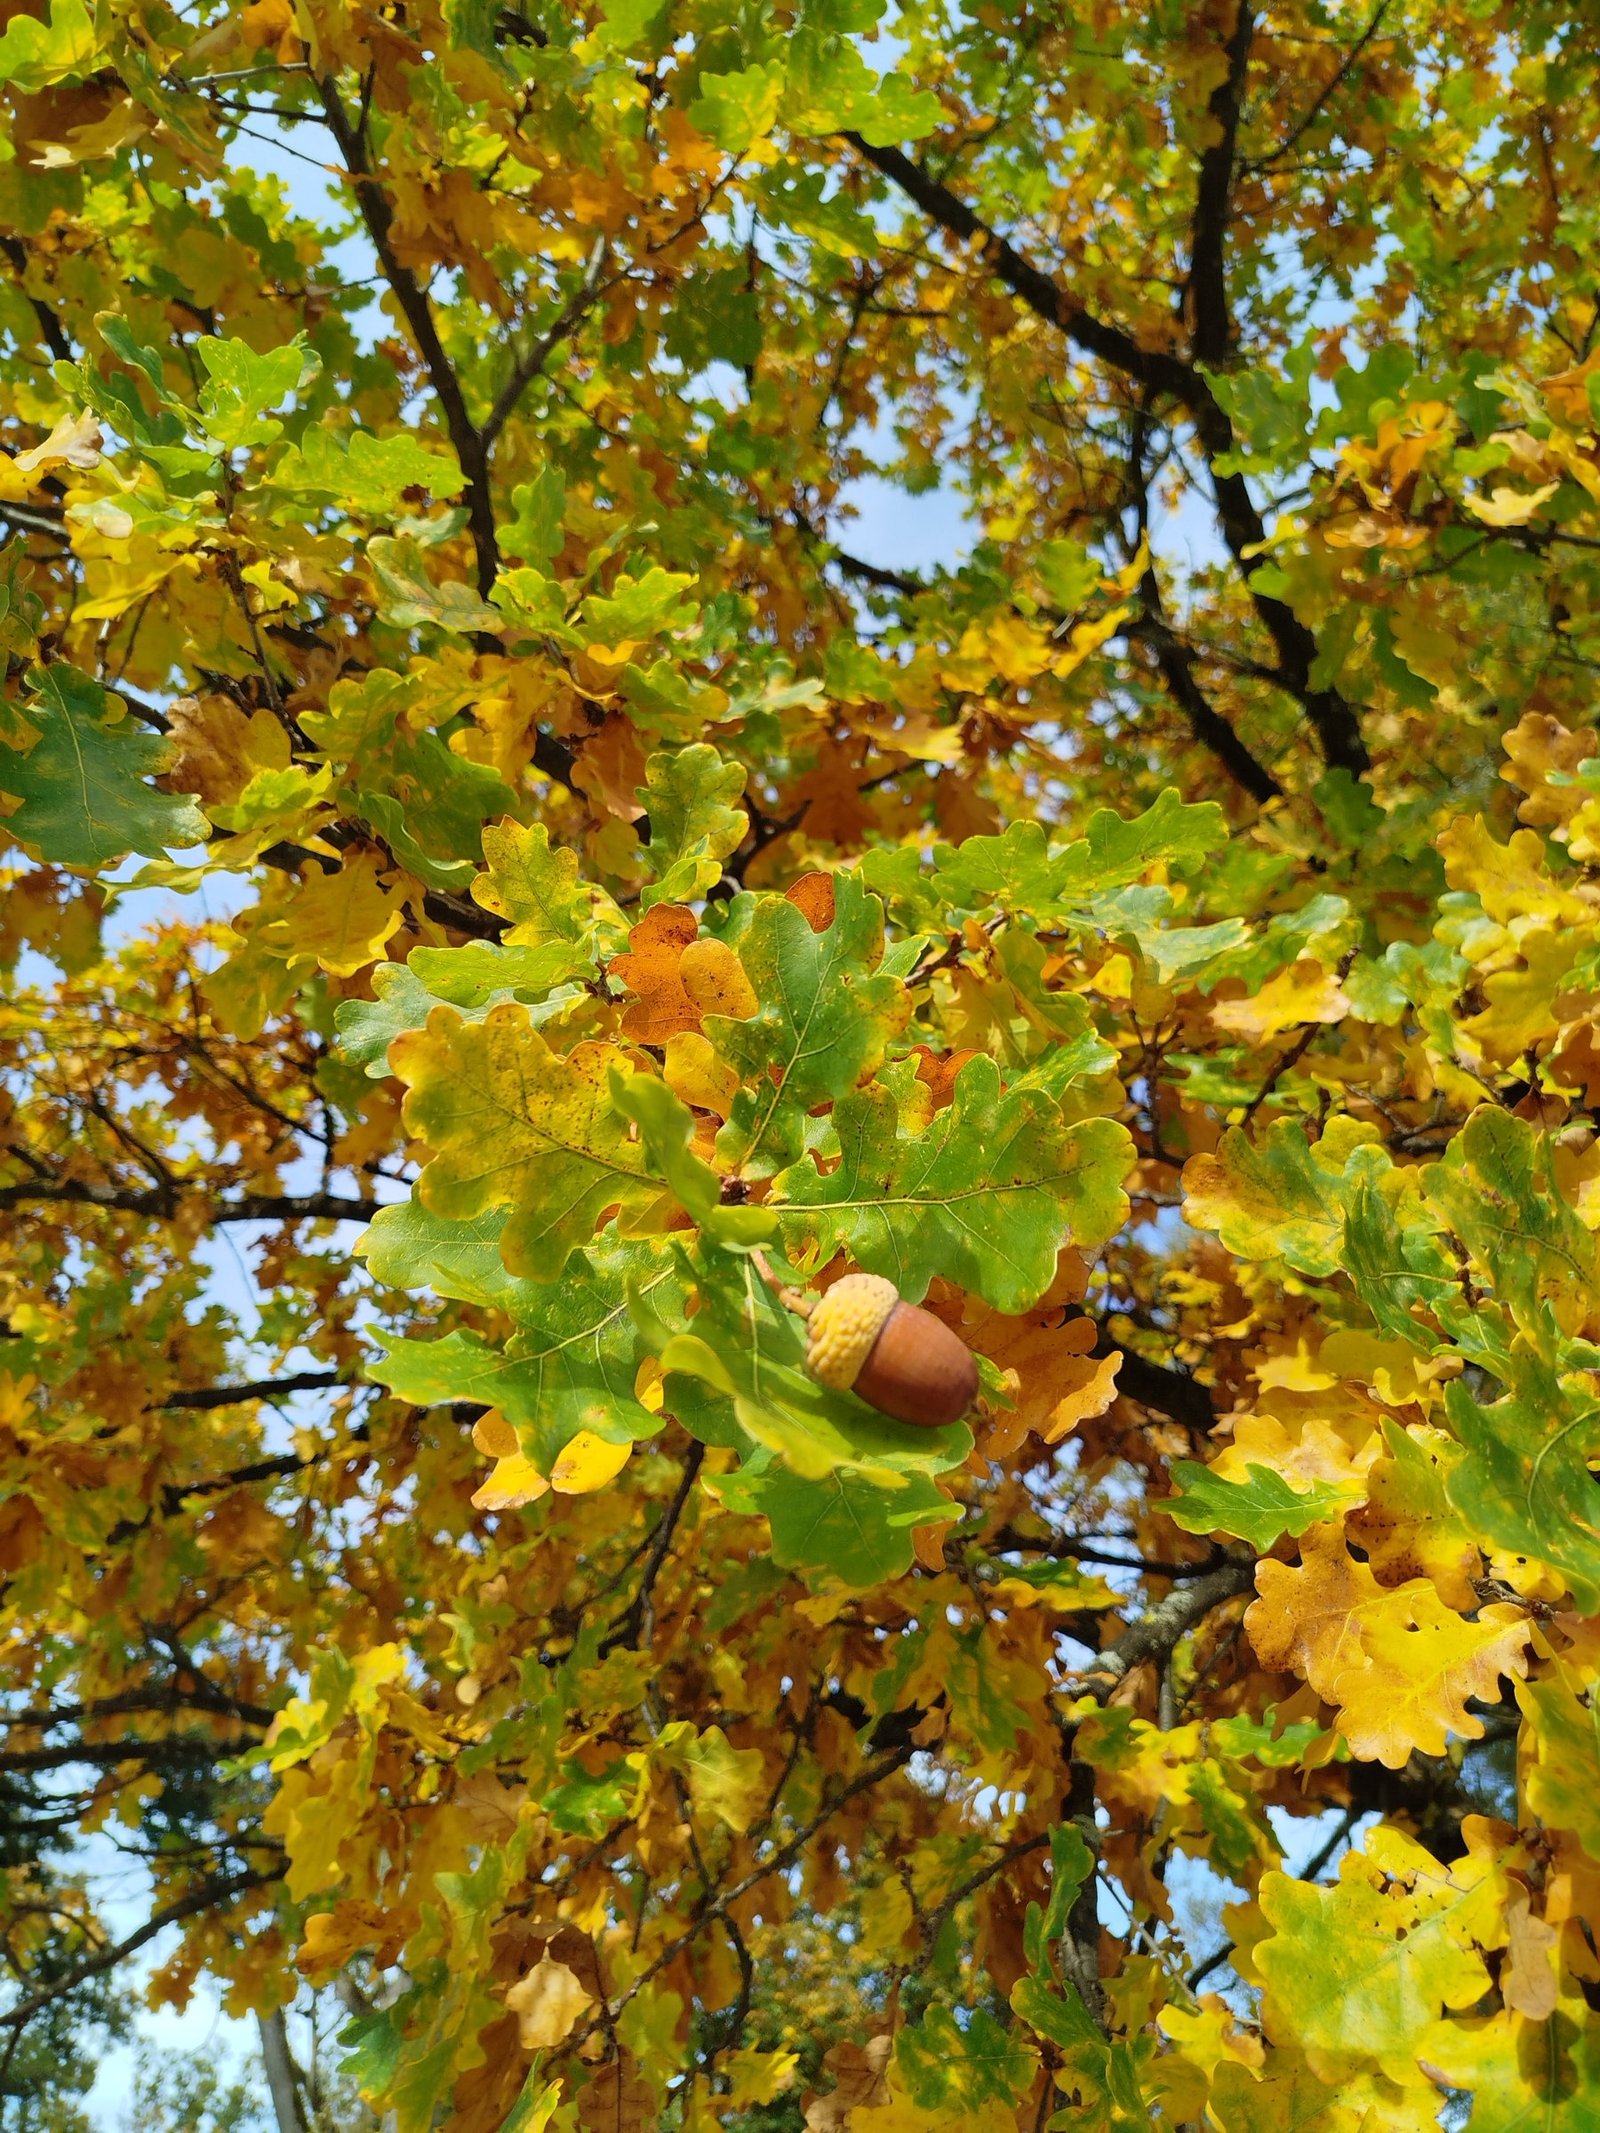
(1511, 507)
(1307, 1621)
(1315, 1453)
(547, 2002)
(1422, 1663)
(588, 1462)
(74, 442)
(715, 980)
(343, 918)
(1510, 880)
(332, 1937)
(1305, 992)
(756, 2076)
(512, 1481)
(1399, 1664)
(1540, 750)
(1408, 1526)
(1528, 1975)
(220, 748)
(694, 1071)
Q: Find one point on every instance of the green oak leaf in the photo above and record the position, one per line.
(474, 977)
(1261, 1510)
(1496, 1187)
(513, 1123)
(534, 885)
(570, 1366)
(1526, 1483)
(1282, 1196)
(242, 385)
(962, 2066)
(408, 597)
(638, 608)
(408, 1247)
(1071, 1864)
(439, 801)
(363, 472)
(985, 1192)
(692, 827)
(84, 784)
(1359, 1972)
(33, 54)
(824, 1022)
(1016, 869)
(736, 110)
(666, 1127)
(1392, 1252)
(844, 1524)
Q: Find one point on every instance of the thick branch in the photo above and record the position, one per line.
(1156, 1635)
(268, 1389)
(1175, 664)
(107, 1755)
(1172, 1393)
(412, 298)
(56, 337)
(1208, 272)
(248, 1207)
(1038, 290)
(167, 1696)
(1332, 719)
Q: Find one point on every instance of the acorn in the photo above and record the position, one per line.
(903, 1361)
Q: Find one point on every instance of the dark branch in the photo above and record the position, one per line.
(182, 1748)
(376, 213)
(267, 1389)
(634, 1624)
(1332, 719)
(208, 1896)
(248, 1207)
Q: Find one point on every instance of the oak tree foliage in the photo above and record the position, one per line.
(499, 889)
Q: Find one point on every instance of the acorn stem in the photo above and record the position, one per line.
(792, 1299)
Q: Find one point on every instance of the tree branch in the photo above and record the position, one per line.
(56, 337)
(633, 1624)
(204, 1898)
(1332, 719)
(1156, 1635)
(106, 1755)
(249, 1207)
(1038, 290)
(1175, 664)
(206, 1396)
(376, 213)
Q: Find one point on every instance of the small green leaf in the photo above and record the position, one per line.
(986, 1192)
(241, 386)
(693, 828)
(1261, 1510)
(825, 1019)
(83, 784)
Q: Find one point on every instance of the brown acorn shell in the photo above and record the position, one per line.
(918, 1370)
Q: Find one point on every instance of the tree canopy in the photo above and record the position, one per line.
(506, 902)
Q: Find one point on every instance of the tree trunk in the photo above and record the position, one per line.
(283, 2076)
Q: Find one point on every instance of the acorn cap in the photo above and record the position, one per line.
(843, 1328)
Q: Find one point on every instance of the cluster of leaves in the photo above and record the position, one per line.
(483, 845)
